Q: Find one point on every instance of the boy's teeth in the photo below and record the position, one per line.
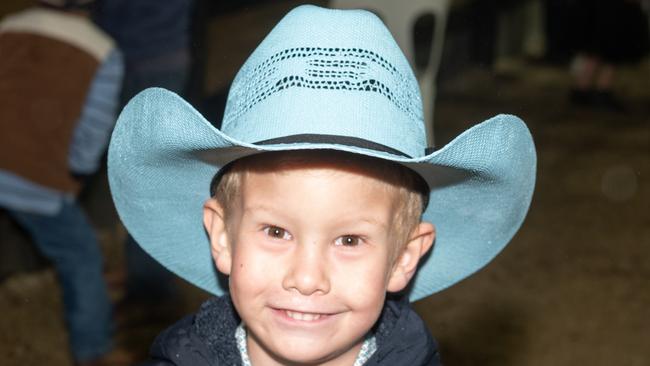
(307, 317)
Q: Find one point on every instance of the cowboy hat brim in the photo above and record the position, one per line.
(163, 155)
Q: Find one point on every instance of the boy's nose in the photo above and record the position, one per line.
(307, 272)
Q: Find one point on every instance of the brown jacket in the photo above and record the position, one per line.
(48, 60)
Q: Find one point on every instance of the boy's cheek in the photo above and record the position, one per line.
(361, 285)
(252, 268)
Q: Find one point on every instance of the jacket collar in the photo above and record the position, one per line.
(402, 337)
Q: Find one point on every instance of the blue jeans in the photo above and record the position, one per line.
(69, 241)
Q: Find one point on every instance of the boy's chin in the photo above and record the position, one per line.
(312, 353)
(304, 357)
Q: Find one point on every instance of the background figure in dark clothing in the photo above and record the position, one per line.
(604, 34)
(154, 38)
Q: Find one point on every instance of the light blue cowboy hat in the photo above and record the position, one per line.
(322, 79)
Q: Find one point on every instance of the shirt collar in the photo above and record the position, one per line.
(368, 347)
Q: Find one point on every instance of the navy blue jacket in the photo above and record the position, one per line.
(207, 338)
(145, 29)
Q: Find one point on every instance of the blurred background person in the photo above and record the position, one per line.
(604, 34)
(60, 77)
(154, 37)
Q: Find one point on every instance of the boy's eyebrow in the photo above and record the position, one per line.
(375, 222)
(261, 207)
(258, 207)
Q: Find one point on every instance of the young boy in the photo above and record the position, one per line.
(318, 200)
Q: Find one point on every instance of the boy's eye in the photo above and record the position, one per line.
(277, 232)
(348, 240)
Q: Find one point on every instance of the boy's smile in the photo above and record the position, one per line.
(308, 251)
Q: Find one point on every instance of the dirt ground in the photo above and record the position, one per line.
(573, 287)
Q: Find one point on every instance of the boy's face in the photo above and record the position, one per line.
(308, 252)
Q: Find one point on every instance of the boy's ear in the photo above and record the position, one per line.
(406, 264)
(215, 225)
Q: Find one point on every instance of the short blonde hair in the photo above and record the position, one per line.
(410, 187)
